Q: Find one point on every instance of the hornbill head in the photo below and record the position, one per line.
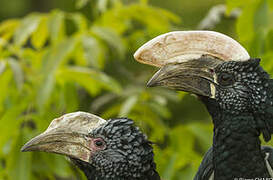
(104, 150)
(211, 65)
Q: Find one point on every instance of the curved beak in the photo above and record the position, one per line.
(67, 135)
(194, 76)
(188, 59)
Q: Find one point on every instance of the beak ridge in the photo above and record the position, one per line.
(192, 76)
(67, 135)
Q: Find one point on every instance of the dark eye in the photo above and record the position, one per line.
(225, 79)
(99, 143)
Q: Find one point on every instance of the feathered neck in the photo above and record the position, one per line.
(92, 174)
(236, 144)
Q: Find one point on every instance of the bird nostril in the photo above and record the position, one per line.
(211, 70)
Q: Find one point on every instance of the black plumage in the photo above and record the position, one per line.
(127, 154)
(240, 102)
(235, 89)
(239, 113)
(116, 149)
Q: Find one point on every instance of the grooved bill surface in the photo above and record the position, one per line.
(181, 46)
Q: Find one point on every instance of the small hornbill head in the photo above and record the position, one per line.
(112, 149)
(212, 66)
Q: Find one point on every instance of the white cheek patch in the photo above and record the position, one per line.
(214, 78)
(212, 176)
(212, 87)
(212, 91)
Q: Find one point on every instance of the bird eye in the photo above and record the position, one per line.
(225, 79)
(99, 143)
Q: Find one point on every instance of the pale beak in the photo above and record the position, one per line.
(187, 59)
(67, 135)
(182, 46)
(195, 76)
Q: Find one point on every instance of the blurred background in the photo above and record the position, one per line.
(60, 56)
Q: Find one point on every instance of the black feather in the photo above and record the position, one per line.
(128, 154)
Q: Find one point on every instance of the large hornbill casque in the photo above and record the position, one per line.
(235, 89)
(104, 150)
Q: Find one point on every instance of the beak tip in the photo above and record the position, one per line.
(28, 146)
(24, 148)
(151, 83)
(155, 80)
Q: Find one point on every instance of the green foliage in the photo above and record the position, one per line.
(254, 28)
(59, 62)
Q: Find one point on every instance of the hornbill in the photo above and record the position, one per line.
(104, 150)
(235, 89)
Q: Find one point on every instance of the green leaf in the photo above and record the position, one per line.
(127, 106)
(71, 99)
(261, 16)
(188, 173)
(57, 55)
(111, 112)
(256, 45)
(156, 20)
(161, 110)
(102, 5)
(270, 3)
(81, 3)
(93, 51)
(146, 115)
(110, 37)
(52, 166)
(7, 29)
(56, 26)
(90, 79)
(27, 26)
(245, 21)
(169, 171)
(40, 36)
(17, 72)
(8, 26)
(267, 62)
(45, 90)
(5, 79)
(181, 94)
(231, 4)
(10, 122)
(61, 167)
(164, 93)
(52, 60)
(185, 146)
(80, 21)
(269, 41)
(203, 132)
(2, 66)
(19, 164)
